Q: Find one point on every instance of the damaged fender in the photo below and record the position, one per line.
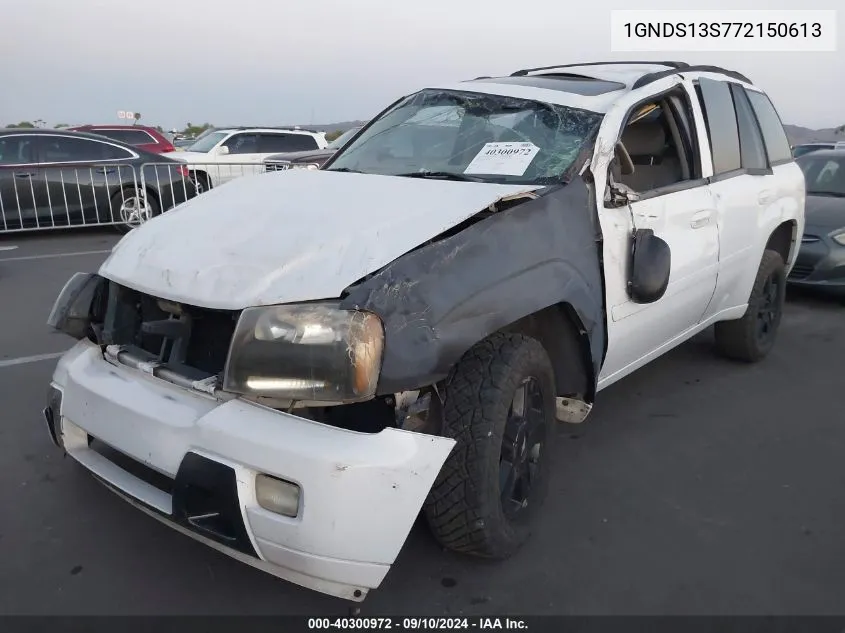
(439, 300)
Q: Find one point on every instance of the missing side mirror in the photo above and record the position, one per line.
(651, 266)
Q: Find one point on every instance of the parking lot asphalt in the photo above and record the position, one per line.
(698, 486)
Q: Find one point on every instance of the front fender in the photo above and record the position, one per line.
(439, 300)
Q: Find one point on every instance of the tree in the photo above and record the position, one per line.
(330, 136)
(840, 129)
(195, 130)
(22, 124)
(59, 126)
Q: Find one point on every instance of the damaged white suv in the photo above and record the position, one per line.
(290, 367)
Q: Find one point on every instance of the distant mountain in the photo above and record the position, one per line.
(798, 134)
(334, 127)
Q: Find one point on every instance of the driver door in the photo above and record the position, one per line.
(683, 214)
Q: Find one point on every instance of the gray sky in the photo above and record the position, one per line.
(321, 61)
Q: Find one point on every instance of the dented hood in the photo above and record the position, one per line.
(289, 236)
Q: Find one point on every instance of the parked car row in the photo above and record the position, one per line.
(58, 178)
(399, 330)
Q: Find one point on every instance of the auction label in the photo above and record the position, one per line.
(418, 624)
(503, 159)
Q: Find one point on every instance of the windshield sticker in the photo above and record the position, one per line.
(503, 159)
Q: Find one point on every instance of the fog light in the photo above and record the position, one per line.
(276, 495)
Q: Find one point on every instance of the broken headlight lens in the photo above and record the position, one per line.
(305, 352)
(72, 311)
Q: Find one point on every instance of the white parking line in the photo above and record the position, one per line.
(51, 256)
(23, 360)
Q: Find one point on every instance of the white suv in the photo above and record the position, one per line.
(220, 155)
(403, 328)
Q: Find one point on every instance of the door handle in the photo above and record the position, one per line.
(765, 197)
(21, 174)
(700, 219)
(105, 170)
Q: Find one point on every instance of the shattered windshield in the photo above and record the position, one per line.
(471, 136)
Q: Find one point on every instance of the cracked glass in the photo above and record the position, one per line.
(470, 136)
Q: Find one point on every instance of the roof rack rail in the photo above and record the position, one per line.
(291, 128)
(525, 71)
(652, 77)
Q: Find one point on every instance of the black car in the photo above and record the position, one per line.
(310, 159)
(806, 148)
(56, 178)
(821, 261)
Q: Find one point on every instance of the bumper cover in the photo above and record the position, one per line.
(360, 493)
(820, 265)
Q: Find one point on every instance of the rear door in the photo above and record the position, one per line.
(82, 177)
(20, 181)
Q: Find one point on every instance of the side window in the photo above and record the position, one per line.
(279, 143)
(777, 145)
(751, 149)
(718, 107)
(67, 149)
(242, 144)
(657, 138)
(16, 150)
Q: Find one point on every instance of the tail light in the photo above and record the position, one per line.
(167, 147)
(183, 171)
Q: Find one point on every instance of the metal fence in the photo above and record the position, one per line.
(59, 196)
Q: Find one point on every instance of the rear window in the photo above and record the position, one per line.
(777, 145)
(130, 137)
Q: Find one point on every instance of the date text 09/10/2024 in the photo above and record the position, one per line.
(417, 624)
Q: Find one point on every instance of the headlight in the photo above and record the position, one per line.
(72, 312)
(305, 166)
(305, 352)
(839, 238)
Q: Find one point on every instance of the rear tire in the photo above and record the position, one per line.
(498, 405)
(752, 337)
(134, 206)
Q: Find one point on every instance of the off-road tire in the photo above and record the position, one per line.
(464, 509)
(738, 339)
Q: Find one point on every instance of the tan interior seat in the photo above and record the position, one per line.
(653, 168)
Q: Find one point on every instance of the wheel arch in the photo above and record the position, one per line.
(784, 240)
(559, 329)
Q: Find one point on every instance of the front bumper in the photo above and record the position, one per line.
(820, 265)
(183, 456)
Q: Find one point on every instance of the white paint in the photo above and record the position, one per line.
(503, 159)
(289, 236)
(360, 492)
(714, 262)
(52, 256)
(599, 103)
(24, 360)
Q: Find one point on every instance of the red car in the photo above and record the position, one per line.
(146, 138)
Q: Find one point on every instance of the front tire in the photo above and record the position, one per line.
(498, 405)
(751, 338)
